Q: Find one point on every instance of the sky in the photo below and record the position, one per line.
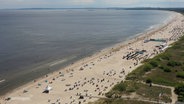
(6, 4)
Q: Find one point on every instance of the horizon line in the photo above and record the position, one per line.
(95, 8)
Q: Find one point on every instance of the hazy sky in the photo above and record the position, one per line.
(89, 3)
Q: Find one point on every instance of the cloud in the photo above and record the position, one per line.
(89, 3)
(43, 3)
(81, 1)
(120, 2)
(138, 2)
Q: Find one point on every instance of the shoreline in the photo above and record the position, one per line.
(97, 55)
(125, 42)
(101, 52)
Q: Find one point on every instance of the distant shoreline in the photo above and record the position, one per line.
(116, 8)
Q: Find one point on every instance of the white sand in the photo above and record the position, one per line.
(95, 75)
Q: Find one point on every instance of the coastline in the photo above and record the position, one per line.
(95, 56)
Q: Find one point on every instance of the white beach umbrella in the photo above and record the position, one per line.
(48, 88)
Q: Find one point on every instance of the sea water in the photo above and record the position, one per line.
(36, 42)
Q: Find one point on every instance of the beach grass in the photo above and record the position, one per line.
(165, 69)
(119, 101)
(139, 90)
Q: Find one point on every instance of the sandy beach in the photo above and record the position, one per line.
(90, 78)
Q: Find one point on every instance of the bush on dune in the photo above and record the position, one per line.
(154, 63)
(180, 75)
(147, 67)
(179, 90)
(173, 63)
(120, 87)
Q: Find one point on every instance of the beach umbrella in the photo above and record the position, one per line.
(47, 89)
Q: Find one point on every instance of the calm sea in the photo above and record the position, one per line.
(35, 42)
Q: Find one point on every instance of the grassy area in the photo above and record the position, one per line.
(164, 69)
(140, 90)
(119, 101)
(122, 88)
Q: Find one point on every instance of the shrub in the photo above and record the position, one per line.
(161, 67)
(148, 80)
(109, 94)
(131, 90)
(180, 74)
(167, 69)
(179, 90)
(178, 63)
(181, 98)
(171, 63)
(154, 63)
(157, 59)
(147, 67)
(165, 56)
(174, 63)
(120, 87)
